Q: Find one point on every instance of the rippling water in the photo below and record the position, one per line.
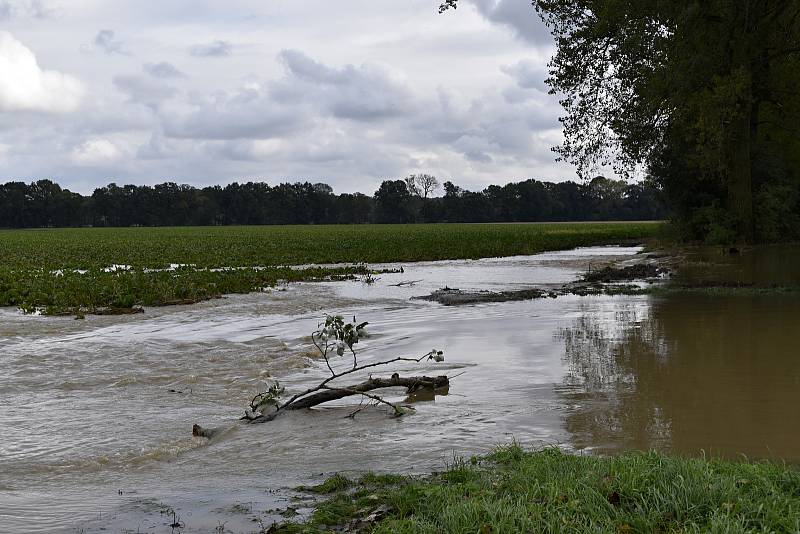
(97, 414)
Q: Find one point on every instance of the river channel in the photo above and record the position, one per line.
(96, 415)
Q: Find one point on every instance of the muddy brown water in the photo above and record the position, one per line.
(766, 266)
(96, 415)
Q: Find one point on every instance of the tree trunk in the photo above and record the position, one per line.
(740, 139)
(740, 179)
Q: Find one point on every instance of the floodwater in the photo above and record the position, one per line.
(767, 266)
(95, 424)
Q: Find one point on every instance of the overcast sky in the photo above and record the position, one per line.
(349, 92)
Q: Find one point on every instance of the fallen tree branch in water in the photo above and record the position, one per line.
(332, 393)
(325, 393)
(411, 384)
(334, 336)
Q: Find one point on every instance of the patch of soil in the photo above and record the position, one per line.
(456, 297)
(638, 271)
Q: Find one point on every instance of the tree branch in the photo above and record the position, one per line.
(324, 393)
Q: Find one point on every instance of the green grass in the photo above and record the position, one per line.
(551, 491)
(29, 259)
(333, 484)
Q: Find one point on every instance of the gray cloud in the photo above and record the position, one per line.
(40, 10)
(215, 49)
(144, 90)
(528, 74)
(246, 113)
(34, 9)
(163, 69)
(365, 93)
(157, 148)
(519, 15)
(104, 40)
(475, 149)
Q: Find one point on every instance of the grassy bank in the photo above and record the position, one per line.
(63, 270)
(550, 491)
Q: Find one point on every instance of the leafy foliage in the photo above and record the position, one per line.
(267, 400)
(335, 333)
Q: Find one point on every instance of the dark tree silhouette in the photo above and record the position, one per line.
(45, 204)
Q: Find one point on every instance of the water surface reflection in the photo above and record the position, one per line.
(686, 373)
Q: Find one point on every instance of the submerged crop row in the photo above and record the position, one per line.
(85, 248)
(97, 290)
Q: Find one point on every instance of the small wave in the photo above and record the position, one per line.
(131, 459)
(125, 381)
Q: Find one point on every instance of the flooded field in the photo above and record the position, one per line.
(97, 414)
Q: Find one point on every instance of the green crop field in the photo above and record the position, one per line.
(63, 270)
(244, 246)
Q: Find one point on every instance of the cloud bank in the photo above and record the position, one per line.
(275, 92)
(24, 86)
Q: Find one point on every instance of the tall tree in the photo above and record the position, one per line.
(421, 185)
(691, 89)
(391, 202)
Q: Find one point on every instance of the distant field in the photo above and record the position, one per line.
(239, 246)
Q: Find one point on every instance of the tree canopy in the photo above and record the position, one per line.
(699, 94)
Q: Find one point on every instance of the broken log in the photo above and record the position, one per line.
(331, 393)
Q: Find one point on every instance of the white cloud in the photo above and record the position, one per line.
(95, 152)
(24, 86)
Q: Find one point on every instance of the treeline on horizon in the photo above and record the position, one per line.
(44, 203)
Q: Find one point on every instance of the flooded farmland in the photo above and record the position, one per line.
(97, 414)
